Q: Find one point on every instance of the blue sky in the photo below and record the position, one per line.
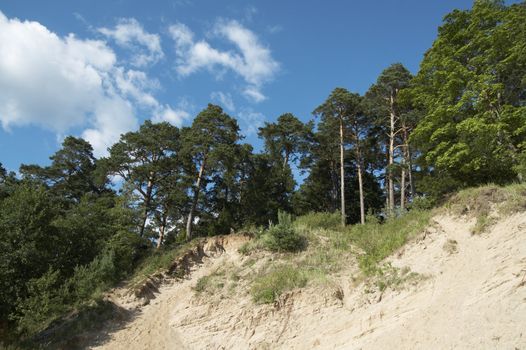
(99, 68)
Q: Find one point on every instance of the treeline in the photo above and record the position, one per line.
(72, 229)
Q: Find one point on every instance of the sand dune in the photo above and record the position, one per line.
(473, 296)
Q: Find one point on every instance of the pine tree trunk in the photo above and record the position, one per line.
(286, 160)
(334, 189)
(391, 157)
(342, 175)
(194, 202)
(402, 190)
(409, 162)
(360, 185)
(386, 181)
(410, 176)
(161, 232)
(147, 200)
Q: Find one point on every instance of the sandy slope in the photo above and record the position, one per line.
(474, 298)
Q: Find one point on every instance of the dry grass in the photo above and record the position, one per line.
(487, 202)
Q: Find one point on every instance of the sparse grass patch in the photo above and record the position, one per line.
(159, 260)
(378, 241)
(388, 276)
(249, 262)
(318, 220)
(331, 252)
(516, 199)
(251, 246)
(482, 202)
(211, 283)
(268, 287)
(484, 221)
(202, 284)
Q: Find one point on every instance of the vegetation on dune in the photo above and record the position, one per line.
(331, 248)
(280, 279)
(484, 202)
(68, 234)
(379, 240)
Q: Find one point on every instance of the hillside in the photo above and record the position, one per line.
(446, 288)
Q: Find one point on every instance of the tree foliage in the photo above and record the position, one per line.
(472, 91)
(72, 229)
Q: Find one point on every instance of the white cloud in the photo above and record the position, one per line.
(112, 118)
(225, 99)
(250, 121)
(136, 85)
(172, 116)
(129, 33)
(60, 83)
(250, 59)
(254, 94)
(47, 80)
(182, 35)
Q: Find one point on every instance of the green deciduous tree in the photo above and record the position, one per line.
(472, 91)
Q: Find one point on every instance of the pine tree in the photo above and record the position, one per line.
(211, 138)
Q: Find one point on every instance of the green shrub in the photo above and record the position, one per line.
(44, 303)
(64, 332)
(93, 278)
(520, 168)
(423, 203)
(283, 236)
(128, 248)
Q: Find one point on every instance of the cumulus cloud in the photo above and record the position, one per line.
(250, 121)
(136, 84)
(249, 59)
(168, 114)
(225, 99)
(39, 71)
(130, 34)
(112, 118)
(60, 83)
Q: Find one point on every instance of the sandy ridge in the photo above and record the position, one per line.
(474, 297)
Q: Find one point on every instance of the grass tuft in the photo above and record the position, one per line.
(378, 241)
(319, 220)
(267, 288)
(484, 202)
